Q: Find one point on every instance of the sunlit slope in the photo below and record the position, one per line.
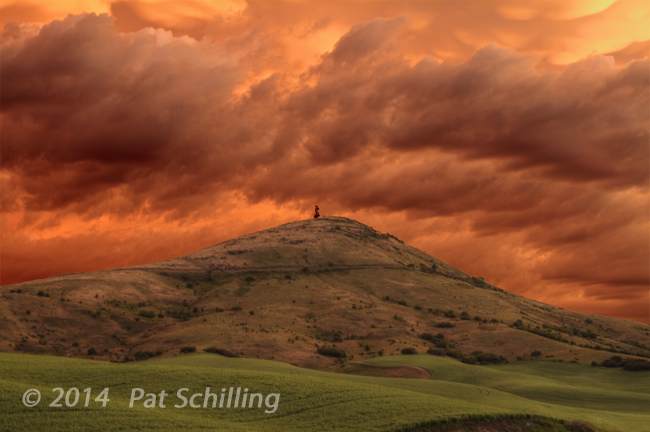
(280, 293)
(608, 397)
(310, 400)
(306, 402)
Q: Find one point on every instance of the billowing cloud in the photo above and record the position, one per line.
(535, 179)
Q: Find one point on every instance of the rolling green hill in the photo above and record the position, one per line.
(320, 401)
(284, 292)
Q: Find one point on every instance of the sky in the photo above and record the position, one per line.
(507, 138)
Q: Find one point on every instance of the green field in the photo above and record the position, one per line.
(317, 401)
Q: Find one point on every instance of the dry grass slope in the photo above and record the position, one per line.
(283, 293)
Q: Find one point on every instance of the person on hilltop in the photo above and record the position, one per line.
(316, 213)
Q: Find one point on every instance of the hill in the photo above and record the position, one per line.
(284, 293)
(520, 397)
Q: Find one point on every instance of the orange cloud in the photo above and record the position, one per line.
(121, 147)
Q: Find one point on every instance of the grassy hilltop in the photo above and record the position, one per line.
(284, 292)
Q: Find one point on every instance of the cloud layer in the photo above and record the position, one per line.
(536, 179)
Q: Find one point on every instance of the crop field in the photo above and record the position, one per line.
(315, 400)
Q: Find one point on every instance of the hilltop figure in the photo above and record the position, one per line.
(316, 213)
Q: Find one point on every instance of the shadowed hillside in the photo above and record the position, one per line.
(331, 285)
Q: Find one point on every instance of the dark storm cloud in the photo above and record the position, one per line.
(584, 124)
(97, 122)
(105, 109)
(86, 110)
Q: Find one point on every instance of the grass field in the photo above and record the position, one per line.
(314, 400)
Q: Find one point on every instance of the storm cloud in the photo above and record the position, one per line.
(536, 179)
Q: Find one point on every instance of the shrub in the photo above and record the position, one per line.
(484, 358)
(518, 324)
(437, 352)
(445, 324)
(577, 426)
(478, 318)
(409, 351)
(450, 314)
(628, 364)
(249, 279)
(147, 314)
(221, 352)
(612, 362)
(236, 308)
(402, 303)
(92, 351)
(251, 312)
(331, 352)
(144, 355)
(536, 353)
(40, 294)
(427, 336)
(468, 359)
(188, 349)
(218, 309)
(180, 314)
(426, 269)
(464, 316)
(637, 365)
(439, 343)
(417, 307)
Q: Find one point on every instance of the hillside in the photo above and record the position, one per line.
(507, 397)
(284, 292)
